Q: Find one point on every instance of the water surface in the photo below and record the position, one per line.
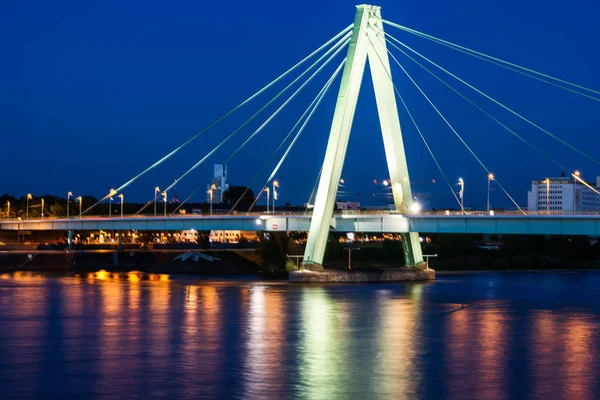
(484, 336)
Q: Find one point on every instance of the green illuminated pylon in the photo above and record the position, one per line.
(367, 41)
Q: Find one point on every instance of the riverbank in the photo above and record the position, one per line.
(210, 263)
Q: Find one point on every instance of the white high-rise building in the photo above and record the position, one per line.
(563, 194)
(219, 180)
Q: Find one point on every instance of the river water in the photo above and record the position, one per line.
(478, 336)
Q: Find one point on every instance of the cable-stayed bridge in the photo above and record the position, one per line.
(373, 222)
(346, 54)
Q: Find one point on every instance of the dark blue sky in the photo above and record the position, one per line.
(93, 92)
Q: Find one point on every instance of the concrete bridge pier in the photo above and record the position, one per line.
(120, 241)
(70, 239)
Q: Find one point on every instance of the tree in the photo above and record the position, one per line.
(244, 194)
(273, 250)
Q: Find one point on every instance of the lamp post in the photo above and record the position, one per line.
(165, 200)
(275, 185)
(490, 179)
(110, 199)
(7, 209)
(575, 176)
(156, 190)
(267, 190)
(42, 207)
(29, 197)
(80, 199)
(69, 195)
(210, 195)
(461, 194)
(122, 197)
(547, 181)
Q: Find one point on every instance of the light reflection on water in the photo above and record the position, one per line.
(106, 335)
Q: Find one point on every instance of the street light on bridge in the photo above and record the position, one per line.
(29, 197)
(7, 209)
(576, 175)
(210, 195)
(42, 207)
(69, 195)
(275, 185)
(268, 191)
(110, 199)
(80, 199)
(122, 197)
(461, 194)
(547, 182)
(164, 194)
(490, 179)
(156, 190)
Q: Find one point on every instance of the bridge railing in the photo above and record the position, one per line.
(455, 213)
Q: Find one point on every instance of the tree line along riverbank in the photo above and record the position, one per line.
(270, 254)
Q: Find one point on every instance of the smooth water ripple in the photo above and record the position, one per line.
(486, 336)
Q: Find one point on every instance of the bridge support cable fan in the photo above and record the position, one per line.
(494, 119)
(389, 74)
(480, 108)
(502, 63)
(346, 32)
(494, 100)
(339, 46)
(308, 113)
(456, 133)
(317, 99)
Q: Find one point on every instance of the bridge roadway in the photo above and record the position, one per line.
(346, 222)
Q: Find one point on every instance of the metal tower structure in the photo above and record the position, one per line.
(367, 40)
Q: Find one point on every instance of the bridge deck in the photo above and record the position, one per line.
(375, 223)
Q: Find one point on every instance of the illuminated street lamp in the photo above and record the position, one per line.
(275, 185)
(547, 182)
(268, 191)
(210, 195)
(415, 207)
(156, 190)
(29, 197)
(7, 209)
(122, 197)
(42, 207)
(80, 199)
(490, 179)
(575, 176)
(461, 194)
(69, 195)
(164, 194)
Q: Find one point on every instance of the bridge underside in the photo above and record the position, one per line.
(500, 225)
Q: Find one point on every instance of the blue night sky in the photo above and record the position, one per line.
(93, 92)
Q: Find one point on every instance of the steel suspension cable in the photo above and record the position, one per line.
(480, 108)
(494, 100)
(310, 111)
(389, 74)
(271, 117)
(335, 49)
(498, 61)
(177, 149)
(317, 98)
(524, 73)
(456, 133)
